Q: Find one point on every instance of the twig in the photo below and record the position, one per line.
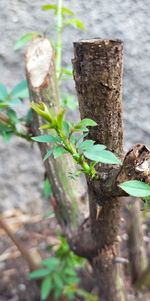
(25, 253)
(59, 39)
(5, 120)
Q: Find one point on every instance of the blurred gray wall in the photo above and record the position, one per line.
(20, 164)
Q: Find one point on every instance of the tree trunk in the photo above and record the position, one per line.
(98, 77)
(41, 77)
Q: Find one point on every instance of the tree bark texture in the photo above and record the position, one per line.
(136, 248)
(98, 79)
(42, 82)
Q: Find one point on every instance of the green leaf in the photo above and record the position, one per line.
(58, 292)
(45, 126)
(43, 110)
(48, 154)
(10, 103)
(3, 92)
(69, 102)
(83, 146)
(12, 116)
(47, 189)
(85, 122)
(3, 105)
(71, 280)
(70, 289)
(50, 7)
(136, 188)
(72, 139)
(38, 274)
(70, 272)
(7, 136)
(63, 249)
(14, 102)
(94, 148)
(28, 117)
(25, 39)
(67, 11)
(58, 282)
(75, 23)
(79, 137)
(20, 90)
(60, 117)
(46, 288)
(51, 263)
(66, 127)
(83, 129)
(67, 71)
(58, 151)
(4, 128)
(98, 154)
(45, 138)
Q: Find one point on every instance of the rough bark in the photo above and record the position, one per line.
(135, 166)
(98, 74)
(98, 78)
(136, 248)
(40, 73)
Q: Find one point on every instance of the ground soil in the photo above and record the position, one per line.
(37, 233)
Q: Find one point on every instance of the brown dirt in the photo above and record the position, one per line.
(36, 233)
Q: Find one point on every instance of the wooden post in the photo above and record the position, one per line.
(98, 78)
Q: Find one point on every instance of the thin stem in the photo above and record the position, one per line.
(24, 136)
(25, 253)
(59, 38)
(5, 120)
(78, 158)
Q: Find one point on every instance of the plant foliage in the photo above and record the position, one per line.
(58, 274)
(66, 139)
(10, 123)
(136, 188)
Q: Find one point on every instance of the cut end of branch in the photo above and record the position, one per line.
(136, 165)
(99, 41)
(39, 62)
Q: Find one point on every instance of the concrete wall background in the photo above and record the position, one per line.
(20, 170)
